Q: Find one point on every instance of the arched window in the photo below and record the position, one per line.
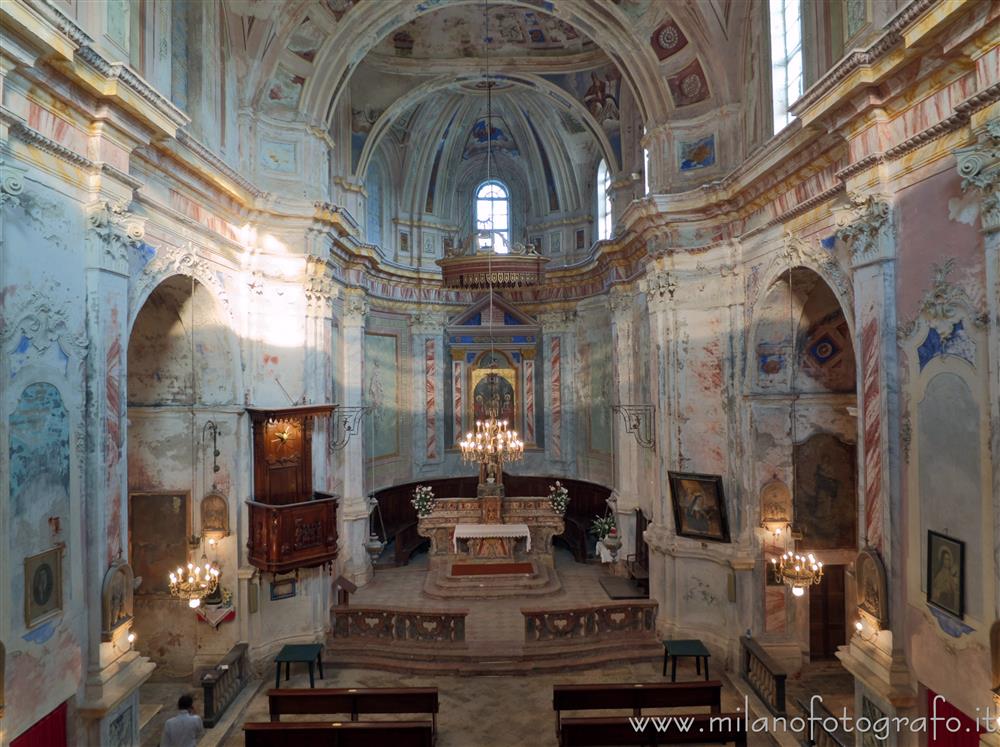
(493, 216)
(786, 58)
(603, 202)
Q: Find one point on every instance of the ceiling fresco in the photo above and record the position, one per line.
(461, 32)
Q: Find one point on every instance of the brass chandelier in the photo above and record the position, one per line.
(493, 443)
(798, 571)
(195, 583)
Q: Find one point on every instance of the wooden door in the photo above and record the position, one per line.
(827, 615)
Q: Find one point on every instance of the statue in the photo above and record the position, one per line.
(116, 598)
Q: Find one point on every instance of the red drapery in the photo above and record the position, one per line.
(49, 731)
(947, 735)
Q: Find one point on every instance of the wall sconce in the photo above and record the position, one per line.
(776, 529)
(860, 627)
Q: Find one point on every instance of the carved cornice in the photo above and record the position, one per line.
(210, 158)
(979, 167)
(111, 231)
(866, 226)
(891, 36)
(33, 137)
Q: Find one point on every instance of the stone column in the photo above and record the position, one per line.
(114, 670)
(354, 504)
(660, 286)
(979, 166)
(625, 447)
(867, 226)
(656, 142)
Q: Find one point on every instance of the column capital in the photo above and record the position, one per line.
(355, 306)
(554, 322)
(111, 231)
(425, 322)
(621, 299)
(979, 167)
(866, 225)
(320, 292)
(660, 287)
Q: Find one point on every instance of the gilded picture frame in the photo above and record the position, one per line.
(43, 586)
(699, 506)
(946, 573)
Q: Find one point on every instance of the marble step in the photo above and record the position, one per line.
(489, 657)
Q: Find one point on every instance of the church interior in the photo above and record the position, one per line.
(495, 372)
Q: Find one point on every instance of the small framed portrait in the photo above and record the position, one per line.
(580, 238)
(946, 573)
(42, 586)
(404, 241)
(699, 506)
(283, 588)
(872, 587)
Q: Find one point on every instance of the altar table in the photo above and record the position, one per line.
(480, 531)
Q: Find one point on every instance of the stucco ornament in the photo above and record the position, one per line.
(866, 227)
(355, 306)
(43, 324)
(114, 230)
(979, 167)
(170, 261)
(661, 286)
(942, 304)
(11, 183)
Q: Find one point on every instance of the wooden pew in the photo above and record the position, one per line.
(635, 697)
(355, 701)
(339, 734)
(618, 730)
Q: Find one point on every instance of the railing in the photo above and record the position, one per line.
(822, 736)
(763, 674)
(627, 619)
(224, 682)
(382, 623)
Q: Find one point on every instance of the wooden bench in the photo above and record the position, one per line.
(635, 697)
(594, 732)
(355, 701)
(339, 734)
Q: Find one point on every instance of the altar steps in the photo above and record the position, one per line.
(490, 658)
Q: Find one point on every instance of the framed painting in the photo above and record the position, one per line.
(283, 588)
(42, 586)
(382, 391)
(159, 530)
(946, 573)
(699, 506)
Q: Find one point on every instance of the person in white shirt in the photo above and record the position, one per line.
(184, 729)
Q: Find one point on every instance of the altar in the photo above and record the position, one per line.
(497, 530)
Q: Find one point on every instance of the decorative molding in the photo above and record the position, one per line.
(170, 261)
(355, 307)
(427, 322)
(639, 422)
(31, 136)
(11, 183)
(38, 320)
(127, 76)
(660, 288)
(112, 230)
(892, 35)
(210, 158)
(979, 167)
(346, 422)
(942, 304)
(557, 322)
(319, 289)
(866, 226)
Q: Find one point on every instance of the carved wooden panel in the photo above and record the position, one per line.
(294, 535)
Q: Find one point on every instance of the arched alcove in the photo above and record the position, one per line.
(183, 380)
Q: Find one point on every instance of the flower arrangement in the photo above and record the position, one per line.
(423, 500)
(602, 526)
(558, 498)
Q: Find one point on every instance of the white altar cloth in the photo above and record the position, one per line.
(465, 531)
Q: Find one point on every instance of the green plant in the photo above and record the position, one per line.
(601, 526)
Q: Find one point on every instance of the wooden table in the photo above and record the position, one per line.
(677, 648)
(307, 653)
